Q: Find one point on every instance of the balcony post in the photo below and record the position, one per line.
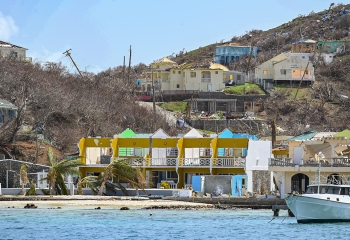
(211, 166)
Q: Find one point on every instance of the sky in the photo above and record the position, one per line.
(100, 32)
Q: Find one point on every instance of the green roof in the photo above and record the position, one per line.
(304, 136)
(128, 133)
(345, 133)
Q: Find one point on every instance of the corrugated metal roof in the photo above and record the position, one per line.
(304, 136)
(9, 45)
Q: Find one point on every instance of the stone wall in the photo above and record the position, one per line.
(261, 179)
(236, 125)
(11, 169)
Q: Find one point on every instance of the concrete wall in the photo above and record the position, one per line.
(11, 169)
(211, 183)
(244, 125)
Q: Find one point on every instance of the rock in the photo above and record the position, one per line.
(124, 208)
(30, 205)
(98, 208)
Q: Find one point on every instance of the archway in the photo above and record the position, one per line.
(299, 182)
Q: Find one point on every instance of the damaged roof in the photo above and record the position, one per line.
(9, 45)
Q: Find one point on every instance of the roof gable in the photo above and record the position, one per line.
(193, 133)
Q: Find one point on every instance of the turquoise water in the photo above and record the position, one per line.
(79, 223)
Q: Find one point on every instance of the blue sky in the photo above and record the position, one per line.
(100, 32)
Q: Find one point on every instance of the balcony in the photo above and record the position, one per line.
(206, 80)
(329, 162)
(188, 162)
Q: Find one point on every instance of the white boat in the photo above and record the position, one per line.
(327, 202)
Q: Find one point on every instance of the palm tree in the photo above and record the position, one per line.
(24, 177)
(58, 170)
(120, 170)
(90, 181)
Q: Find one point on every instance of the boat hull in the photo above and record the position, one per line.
(313, 208)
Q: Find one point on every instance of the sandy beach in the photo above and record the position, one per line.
(93, 202)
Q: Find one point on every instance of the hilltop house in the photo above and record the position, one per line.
(228, 53)
(304, 46)
(332, 46)
(284, 69)
(11, 50)
(168, 77)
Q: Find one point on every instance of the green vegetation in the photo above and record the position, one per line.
(175, 106)
(304, 92)
(58, 170)
(246, 89)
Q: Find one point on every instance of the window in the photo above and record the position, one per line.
(264, 71)
(216, 72)
(173, 71)
(238, 77)
(157, 66)
(224, 76)
(179, 72)
(283, 71)
(306, 72)
(177, 85)
(193, 74)
(231, 77)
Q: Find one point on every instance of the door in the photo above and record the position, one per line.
(209, 87)
(298, 155)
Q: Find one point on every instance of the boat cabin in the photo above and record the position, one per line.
(328, 189)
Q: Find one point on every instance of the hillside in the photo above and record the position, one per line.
(65, 107)
(315, 106)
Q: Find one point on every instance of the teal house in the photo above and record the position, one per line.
(226, 54)
(332, 46)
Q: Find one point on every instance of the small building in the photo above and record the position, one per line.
(8, 111)
(304, 46)
(11, 50)
(225, 54)
(332, 46)
(284, 69)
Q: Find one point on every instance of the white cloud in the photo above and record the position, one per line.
(8, 27)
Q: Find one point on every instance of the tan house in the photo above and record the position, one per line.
(167, 75)
(282, 69)
(11, 50)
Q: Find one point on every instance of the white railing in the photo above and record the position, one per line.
(137, 162)
(325, 162)
(196, 161)
(163, 161)
(206, 80)
(230, 162)
(188, 162)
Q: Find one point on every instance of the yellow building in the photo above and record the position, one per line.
(172, 159)
(169, 77)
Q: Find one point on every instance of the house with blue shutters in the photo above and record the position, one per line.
(228, 53)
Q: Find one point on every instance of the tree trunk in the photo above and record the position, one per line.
(23, 191)
(52, 188)
(102, 188)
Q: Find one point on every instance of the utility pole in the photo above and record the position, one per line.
(154, 96)
(273, 137)
(250, 56)
(124, 70)
(67, 53)
(129, 66)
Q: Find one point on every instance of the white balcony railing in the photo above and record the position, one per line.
(326, 162)
(187, 162)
